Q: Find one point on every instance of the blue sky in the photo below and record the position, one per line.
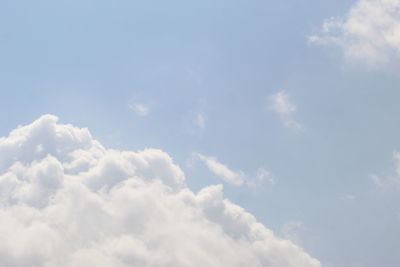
(203, 78)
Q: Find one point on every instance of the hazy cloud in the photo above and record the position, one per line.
(140, 109)
(222, 171)
(390, 182)
(282, 105)
(262, 176)
(369, 32)
(65, 200)
(350, 197)
(200, 121)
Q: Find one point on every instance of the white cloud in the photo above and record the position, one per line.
(262, 176)
(390, 182)
(235, 177)
(140, 109)
(65, 200)
(282, 105)
(370, 32)
(200, 121)
(350, 197)
(222, 171)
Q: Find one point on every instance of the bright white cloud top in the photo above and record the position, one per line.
(370, 32)
(65, 200)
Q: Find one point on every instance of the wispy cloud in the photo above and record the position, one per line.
(200, 121)
(350, 197)
(390, 182)
(262, 176)
(222, 171)
(237, 178)
(370, 32)
(140, 109)
(282, 106)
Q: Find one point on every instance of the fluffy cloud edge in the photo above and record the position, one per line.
(65, 200)
(369, 33)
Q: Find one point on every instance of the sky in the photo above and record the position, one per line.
(270, 125)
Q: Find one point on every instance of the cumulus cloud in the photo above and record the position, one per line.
(235, 177)
(140, 109)
(65, 200)
(390, 182)
(369, 32)
(282, 105)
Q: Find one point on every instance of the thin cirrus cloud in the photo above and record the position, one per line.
(237, 178)
(66, 200)
(222, 171)
(200, 121)
(350, 197)
(140, 109)
(369, 32)
(285, 109)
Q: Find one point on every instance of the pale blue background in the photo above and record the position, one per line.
(86, 61)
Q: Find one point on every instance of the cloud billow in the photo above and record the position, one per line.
(65, 200)
(369, 33)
